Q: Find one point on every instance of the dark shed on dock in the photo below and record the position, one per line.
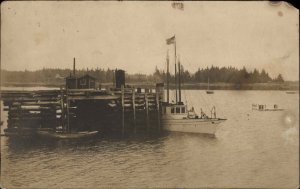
(86, 82)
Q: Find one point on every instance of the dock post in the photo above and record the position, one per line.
(157, 109)
(122, 98)
(68, 111)
(147, 108)
(62, 117)
(133, 106)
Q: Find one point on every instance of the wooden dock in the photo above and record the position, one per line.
(82, 109)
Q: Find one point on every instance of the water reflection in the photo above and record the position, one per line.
(109, 156)
(107, 141)
(111, 141)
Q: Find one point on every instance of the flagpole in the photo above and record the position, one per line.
(179, 79)
(175, 70)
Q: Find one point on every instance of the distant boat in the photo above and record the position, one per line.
(260, 107)
(208, 91)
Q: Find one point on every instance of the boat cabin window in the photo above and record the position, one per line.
(172, 110)
(183, 110)
(177, 110)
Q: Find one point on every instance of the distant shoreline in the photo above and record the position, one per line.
(291, 85)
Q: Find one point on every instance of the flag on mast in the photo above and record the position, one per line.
(171, 40)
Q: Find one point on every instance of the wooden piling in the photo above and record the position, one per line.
(62, 108)
(147, 108)
(133, 106)
(68, 111)
(157, 109)
(122, 99)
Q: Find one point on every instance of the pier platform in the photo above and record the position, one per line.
(82, 109)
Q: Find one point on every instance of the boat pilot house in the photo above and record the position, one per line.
(174, 109)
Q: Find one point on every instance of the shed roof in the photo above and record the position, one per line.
(78, 77)
(87, 75)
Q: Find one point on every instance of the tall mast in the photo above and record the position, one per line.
(168, 77)
(179, 79)
(208, 83)
(169, 41)
(175, 71)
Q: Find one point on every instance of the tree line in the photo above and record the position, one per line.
(222, 75)
(214, 74)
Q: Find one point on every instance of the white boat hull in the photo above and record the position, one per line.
(204, 126)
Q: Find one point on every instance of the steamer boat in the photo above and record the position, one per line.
(177, 117)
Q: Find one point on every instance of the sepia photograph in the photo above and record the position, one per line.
(149, 94)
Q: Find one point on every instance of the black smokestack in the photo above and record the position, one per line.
(120, 78)
(74, 66)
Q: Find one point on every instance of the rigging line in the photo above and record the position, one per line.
(206, 100)
(214, 105)
(206, 105)
(185, 95)
(185, 98)
(188, 61)
(223, 112)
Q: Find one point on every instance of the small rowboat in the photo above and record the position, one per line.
(209, 92)
(67, 135)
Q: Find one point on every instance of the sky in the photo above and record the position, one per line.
(132, 35)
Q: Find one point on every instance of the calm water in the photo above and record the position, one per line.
(251, 149)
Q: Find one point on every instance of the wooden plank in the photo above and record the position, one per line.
(30, 99)
(41, 103)
(106, 97)
(29, 91)
(123, 116)
(68, 112)
(30, 109)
